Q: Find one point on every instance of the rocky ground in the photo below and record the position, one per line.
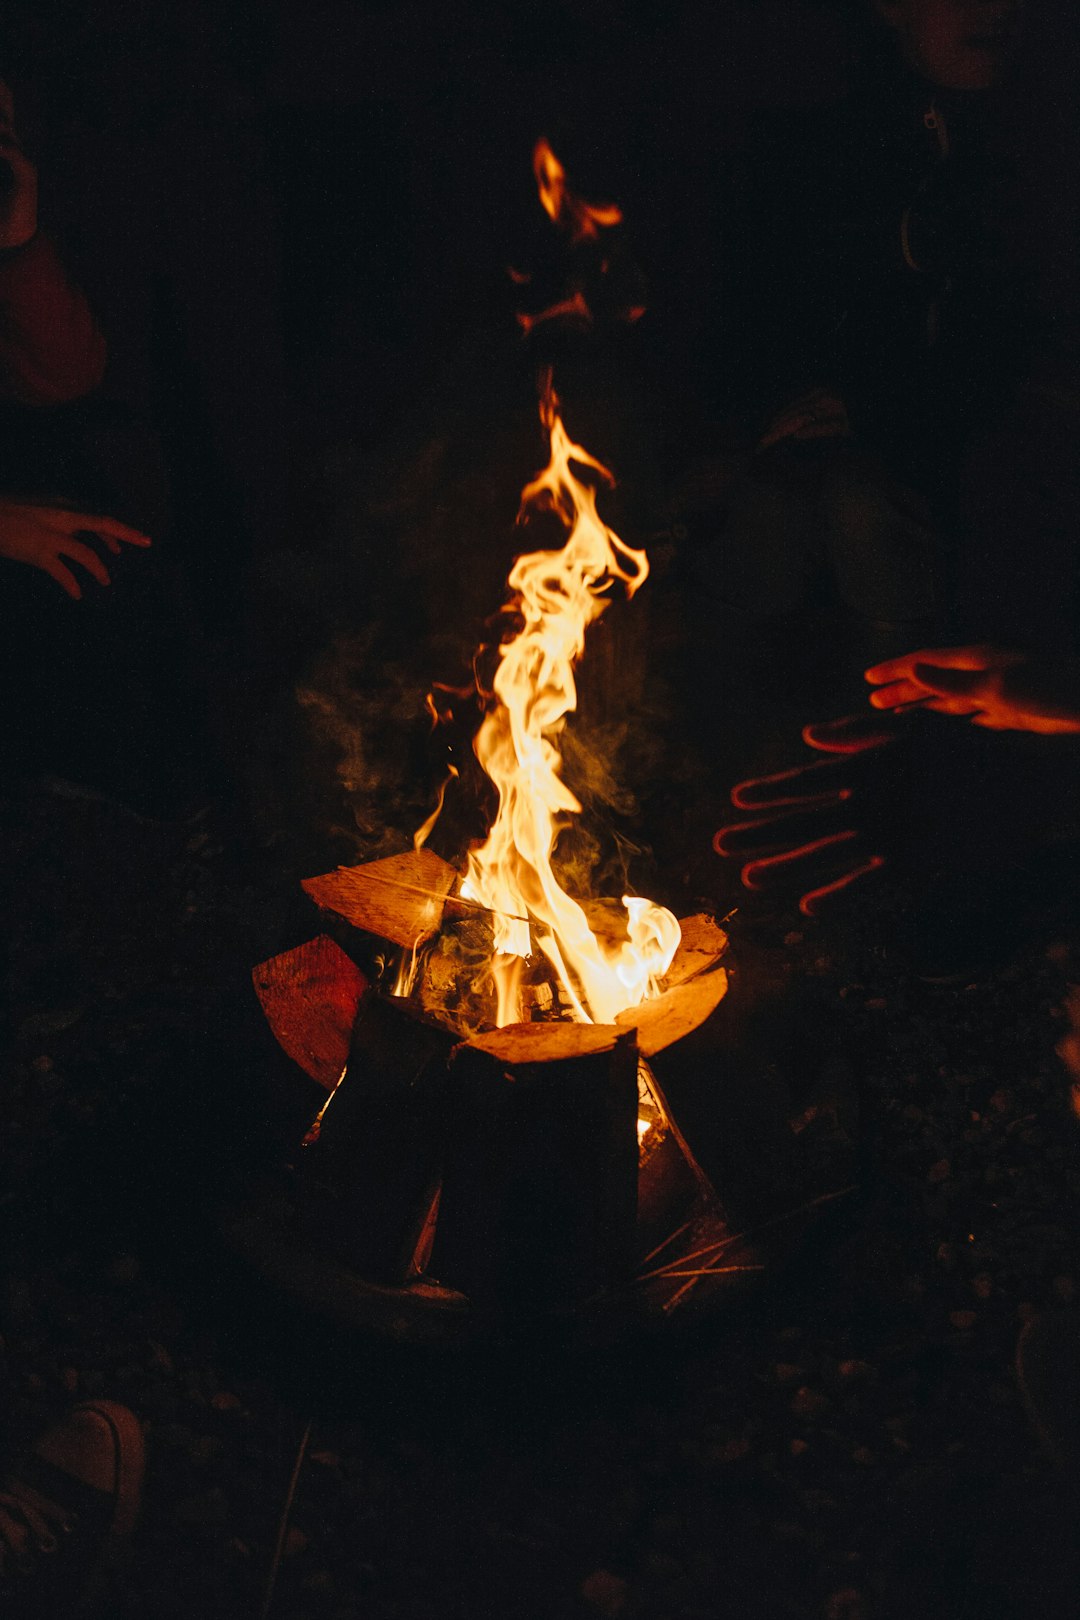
(845, 1441)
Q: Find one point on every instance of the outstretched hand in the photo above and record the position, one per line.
(46, 538)
(818, 414)
(812, 830)
(999, 689)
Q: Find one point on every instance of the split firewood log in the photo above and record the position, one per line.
(310, 997)
(400, 898)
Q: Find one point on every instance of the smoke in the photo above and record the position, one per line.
(365, 719)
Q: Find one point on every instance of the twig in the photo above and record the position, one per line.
(283, 1525)
(678, 1232)
(706, 1271)
(736, 1237)
(679, 1295)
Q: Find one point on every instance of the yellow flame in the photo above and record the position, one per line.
(422, 834)
(582, 219)
(558, 595)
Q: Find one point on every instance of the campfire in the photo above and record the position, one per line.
(493, 1140)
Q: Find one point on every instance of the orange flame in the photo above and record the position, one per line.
(582, 219)
(559, 594)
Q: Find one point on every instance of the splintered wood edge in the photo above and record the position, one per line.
(676, 1013)
(400, 898)
(701, 946)
(546, 1043)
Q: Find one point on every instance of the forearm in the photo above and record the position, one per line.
(51, 348)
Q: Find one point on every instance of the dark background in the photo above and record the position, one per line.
(294, 220)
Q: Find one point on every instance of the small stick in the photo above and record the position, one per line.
(678, 1297)
(734, 1237)
(706, 1271)
(283, 1525)
(678, 1232)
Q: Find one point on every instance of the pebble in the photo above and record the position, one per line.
(847, 1604)
(809, 1402)
(605, 1592)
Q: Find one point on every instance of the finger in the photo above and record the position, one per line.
(854, 734)
(951, 682)
(87, 558)
(782, 430)
(817, 901)
(771, 834)
(58, 517)
(820, 783)
(64, 578)
(979, 656)
(898, 694)
(772, 869)
(822, 426)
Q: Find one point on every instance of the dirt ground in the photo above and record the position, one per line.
(845, 1440)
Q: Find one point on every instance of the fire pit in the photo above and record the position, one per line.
(494, 1146)
(493, 1142)
(451, 1191)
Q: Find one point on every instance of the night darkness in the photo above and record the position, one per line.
(831, 354)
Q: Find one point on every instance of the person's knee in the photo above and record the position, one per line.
(886, 553)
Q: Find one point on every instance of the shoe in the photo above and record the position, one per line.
(64, 1509)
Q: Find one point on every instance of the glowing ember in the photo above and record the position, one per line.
(558, 594)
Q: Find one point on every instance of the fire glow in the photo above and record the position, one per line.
(583, 220)
(558, 594)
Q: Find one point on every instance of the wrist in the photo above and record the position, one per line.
(11, 250)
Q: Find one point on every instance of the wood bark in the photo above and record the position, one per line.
(539, 1192)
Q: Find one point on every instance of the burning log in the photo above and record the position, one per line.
(400, 898)
(368, 1169)
(539, 1193)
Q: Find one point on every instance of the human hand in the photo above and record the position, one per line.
(995, 687)
(18, 181)
(45, 537)
(817, 414)
(815, 828)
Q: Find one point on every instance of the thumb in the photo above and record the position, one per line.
(951, 682)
